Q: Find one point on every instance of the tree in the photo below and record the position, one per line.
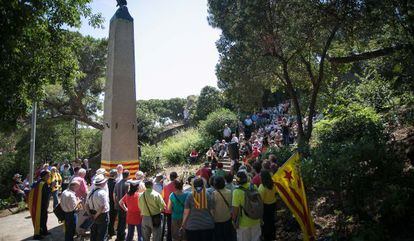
(294, 44)
(170, 109)
(210, 99)
(35, 52)
(80, 98)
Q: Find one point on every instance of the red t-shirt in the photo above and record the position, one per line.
(257, 180)
(205, 173)
(134, 214)
(194, 153)
(168, 189)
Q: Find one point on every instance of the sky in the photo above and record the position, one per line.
(175, 52)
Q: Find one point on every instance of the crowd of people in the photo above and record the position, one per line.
(213, 204)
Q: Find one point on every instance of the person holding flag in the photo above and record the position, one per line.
(290, 187)
(38, 204)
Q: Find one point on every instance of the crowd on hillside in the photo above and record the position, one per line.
(206, 206)
(270, 128)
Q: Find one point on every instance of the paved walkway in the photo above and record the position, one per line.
(19, 226)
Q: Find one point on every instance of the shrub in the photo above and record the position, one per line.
(212, 127)
(150, 158)
(176, 149)
(349, 156)
(8, 167)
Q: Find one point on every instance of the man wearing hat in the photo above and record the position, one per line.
(112, 213)
(100, 171)
(159, 183)
(97, 205)
(69, 203)
(38, 203)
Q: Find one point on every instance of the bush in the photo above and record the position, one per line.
(150, 159)
(176, 149)
(349, 156)
(212, 127)
(8, 168)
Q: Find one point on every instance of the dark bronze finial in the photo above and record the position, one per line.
(121, 3)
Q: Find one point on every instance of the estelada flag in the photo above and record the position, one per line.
(290, 187)
(35, 204)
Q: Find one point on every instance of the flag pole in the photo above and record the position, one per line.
(33, 142)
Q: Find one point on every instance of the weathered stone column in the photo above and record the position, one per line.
(119, 140)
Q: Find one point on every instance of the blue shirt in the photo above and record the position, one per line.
(178, 202)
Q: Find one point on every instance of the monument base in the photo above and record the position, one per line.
(131, 165)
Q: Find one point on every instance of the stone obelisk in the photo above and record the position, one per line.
(119, 140)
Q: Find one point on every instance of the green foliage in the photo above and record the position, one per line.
(8, 168)
(35, 51)
(176, 149)
(165, 109)
(55, 142)
(154, 115)
(210, 100)
(150, 158)
(80, 97)
(350, 157)
(212, 128)
(148, 127)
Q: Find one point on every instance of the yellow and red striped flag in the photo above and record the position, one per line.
(290, 187)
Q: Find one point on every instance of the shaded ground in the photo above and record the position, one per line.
(19, 227)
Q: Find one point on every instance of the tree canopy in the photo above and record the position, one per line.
(301, 46)
(35, 51)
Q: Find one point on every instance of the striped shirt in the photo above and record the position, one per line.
(199, 219)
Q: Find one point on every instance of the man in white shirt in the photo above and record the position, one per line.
(234, 138)
(98, 206)
(69, 203)
(227, 133)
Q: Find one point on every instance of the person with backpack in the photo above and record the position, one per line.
(268, 194)
(223, 227)
(176, 207)
(198, 221)
(247, 209)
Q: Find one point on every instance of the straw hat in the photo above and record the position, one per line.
(101, 171)
(99, 179)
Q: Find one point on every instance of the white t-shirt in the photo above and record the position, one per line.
(235, 139)
(99, 199)
(68, 201)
